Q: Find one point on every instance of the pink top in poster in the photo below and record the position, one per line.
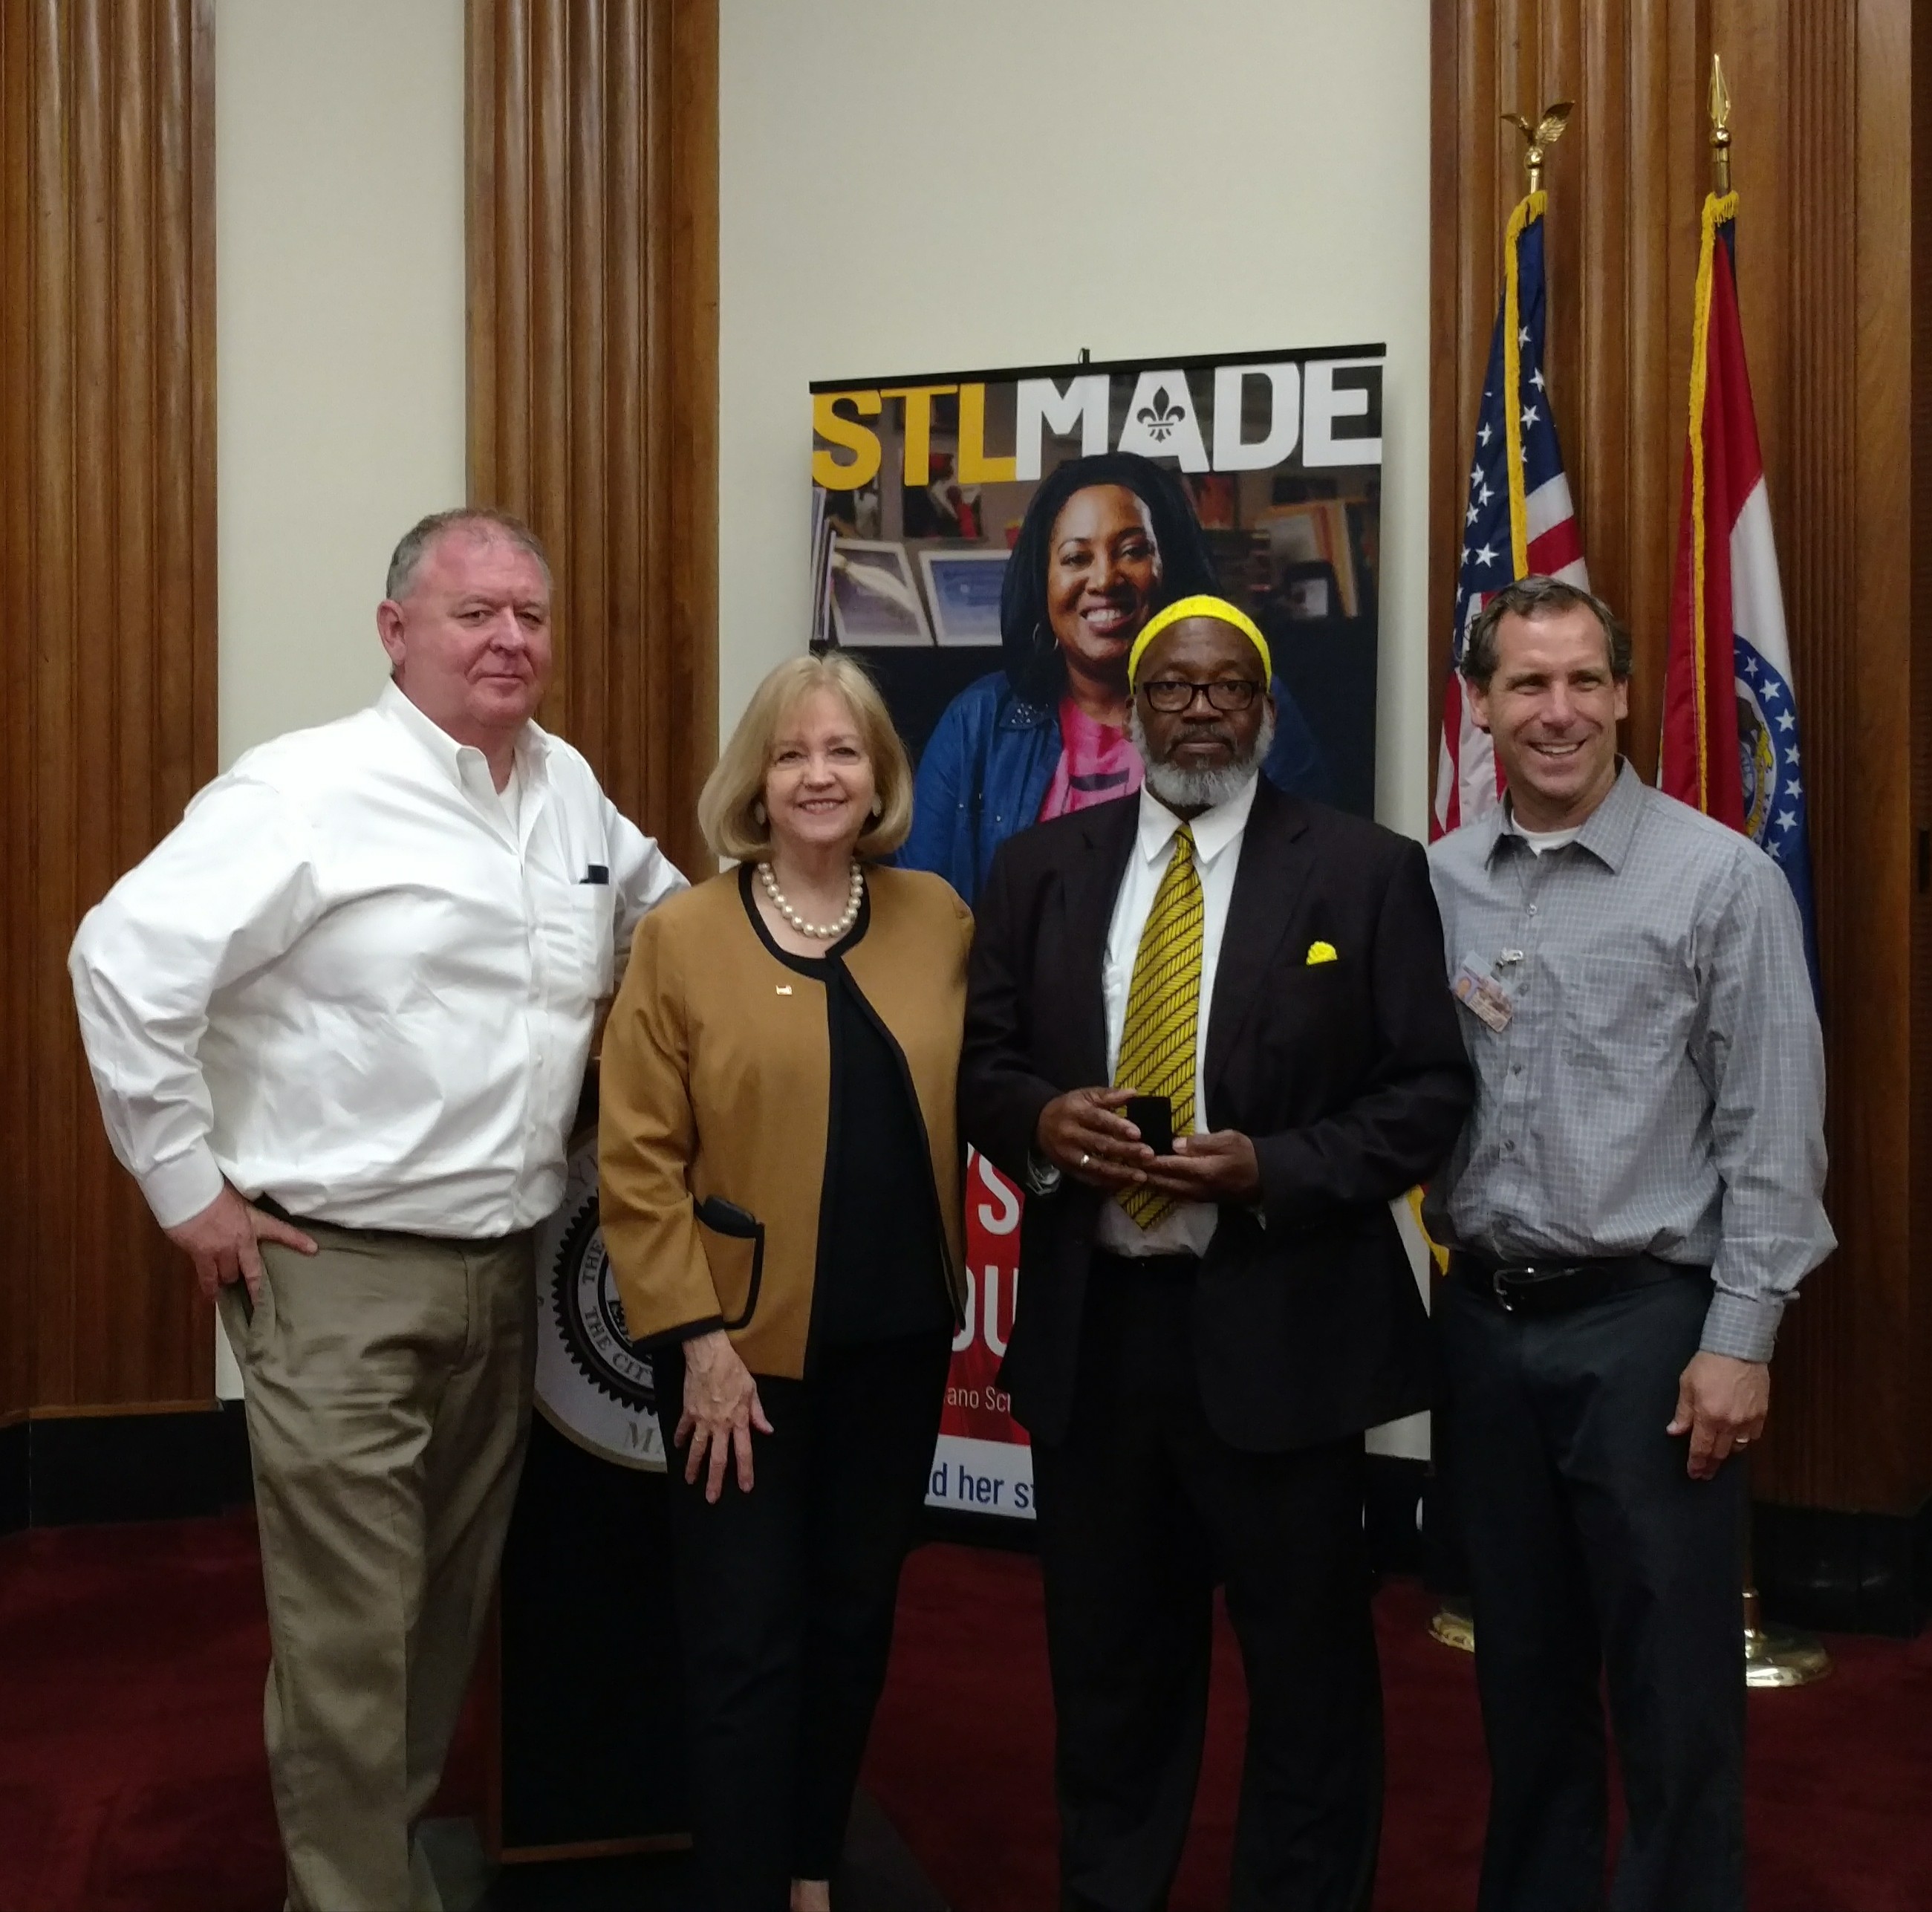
(1097, 763)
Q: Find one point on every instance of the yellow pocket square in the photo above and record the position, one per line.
(1320, 953)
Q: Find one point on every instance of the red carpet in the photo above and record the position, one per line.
(1840, 1778)
(131, 1777)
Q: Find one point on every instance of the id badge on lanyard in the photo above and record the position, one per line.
(1477, 987)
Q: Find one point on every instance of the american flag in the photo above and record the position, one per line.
(1517, 521)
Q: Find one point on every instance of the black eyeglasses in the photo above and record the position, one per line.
(1170, 695)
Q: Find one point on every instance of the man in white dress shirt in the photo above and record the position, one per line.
(338, 1020)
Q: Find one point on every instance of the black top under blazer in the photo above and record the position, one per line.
(1349, 1076)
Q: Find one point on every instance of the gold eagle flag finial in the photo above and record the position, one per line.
(1540, 137)
(1720, 130)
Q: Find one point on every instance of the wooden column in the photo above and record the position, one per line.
(593, 353)
(107, 597)
(1832, 272)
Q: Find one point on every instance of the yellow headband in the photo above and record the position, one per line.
(1202, 605)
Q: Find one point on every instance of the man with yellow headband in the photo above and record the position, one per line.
(1204, 1334)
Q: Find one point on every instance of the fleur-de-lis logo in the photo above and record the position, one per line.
(1163, 416)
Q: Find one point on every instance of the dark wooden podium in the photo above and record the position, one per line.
(589, 1720)
(588, 1727)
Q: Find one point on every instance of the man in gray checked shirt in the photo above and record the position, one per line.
(1634, 1199)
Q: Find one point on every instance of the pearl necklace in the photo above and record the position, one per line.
(828, 932)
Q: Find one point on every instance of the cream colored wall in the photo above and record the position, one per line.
(339, 326)
(902, 193)
(339, 316)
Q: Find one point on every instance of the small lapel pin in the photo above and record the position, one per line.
(784, 989)
(1320, 953)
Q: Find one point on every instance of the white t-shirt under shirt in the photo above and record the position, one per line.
(1542, 840)
(511, 798)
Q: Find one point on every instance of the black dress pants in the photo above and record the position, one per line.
(1141, 1508)
(785, 1597)
(1593, 1556)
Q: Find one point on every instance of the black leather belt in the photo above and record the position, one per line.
(1556, 1285)
(269, 1205)
(1161, 1268)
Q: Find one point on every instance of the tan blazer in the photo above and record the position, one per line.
(715, 1082)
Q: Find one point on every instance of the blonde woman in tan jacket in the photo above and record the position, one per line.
(780, 1201)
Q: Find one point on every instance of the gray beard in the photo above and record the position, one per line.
(1200, 790)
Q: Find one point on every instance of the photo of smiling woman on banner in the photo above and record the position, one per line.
(1106, 541)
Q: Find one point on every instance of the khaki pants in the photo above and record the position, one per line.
(389, 1380)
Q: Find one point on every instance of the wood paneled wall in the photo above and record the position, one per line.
(107, 598)
(593, 353)
(1831, 271)
(1918, 415)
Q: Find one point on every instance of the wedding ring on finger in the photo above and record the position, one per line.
(1084, 1158)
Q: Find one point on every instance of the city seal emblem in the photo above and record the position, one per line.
(592, 1385)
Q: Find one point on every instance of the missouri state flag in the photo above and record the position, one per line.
(1731, 739)
(1516, 519)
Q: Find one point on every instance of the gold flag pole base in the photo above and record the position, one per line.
(1453, 1624)
(1777, 1656)
(1774, 1656)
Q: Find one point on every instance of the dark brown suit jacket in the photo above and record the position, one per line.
(1349, 1076)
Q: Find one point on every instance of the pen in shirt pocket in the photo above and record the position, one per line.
(595, 873)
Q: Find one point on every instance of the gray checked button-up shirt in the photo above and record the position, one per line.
(1659, 1088)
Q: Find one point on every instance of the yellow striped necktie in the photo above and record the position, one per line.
(1157, 1036)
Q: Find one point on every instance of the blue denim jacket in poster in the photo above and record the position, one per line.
(985, 769)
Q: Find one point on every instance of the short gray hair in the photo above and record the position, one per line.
(1536, 597)
(480, 520)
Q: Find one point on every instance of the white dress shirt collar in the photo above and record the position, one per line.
(1213, 830)
(464, 764)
